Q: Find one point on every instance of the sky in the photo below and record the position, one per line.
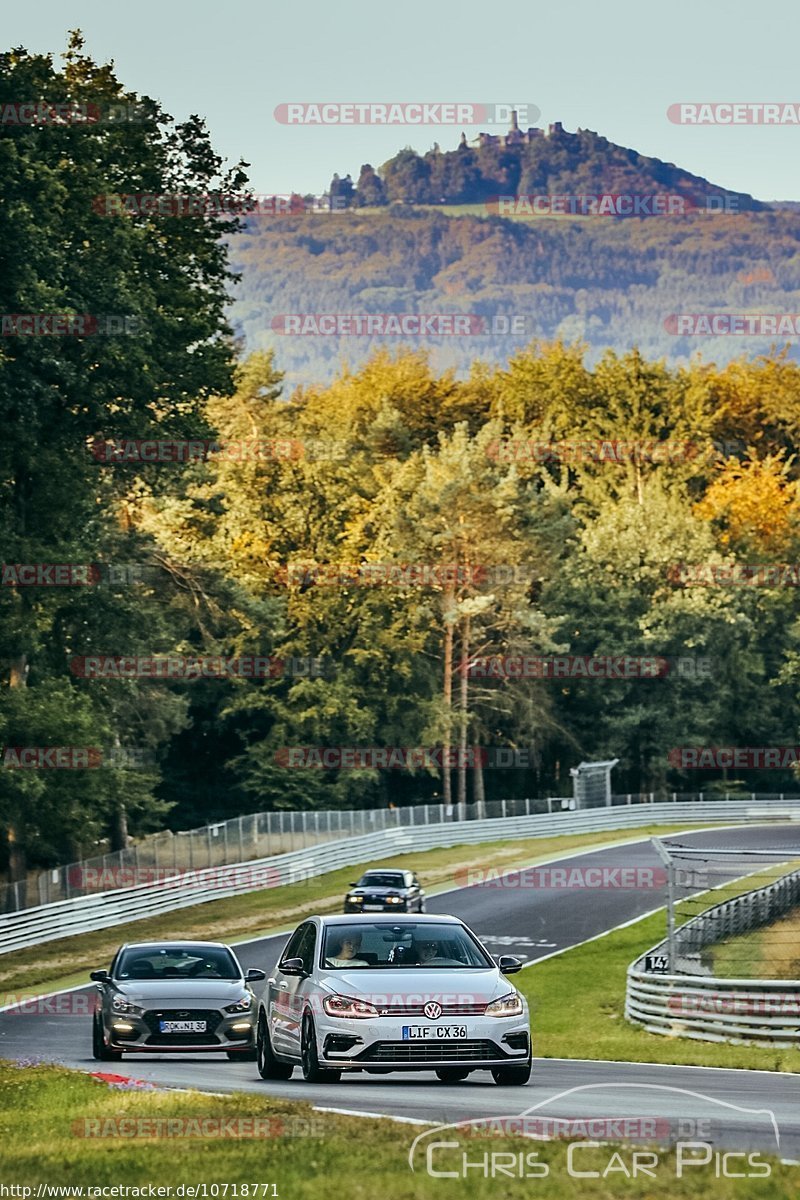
(613, 67)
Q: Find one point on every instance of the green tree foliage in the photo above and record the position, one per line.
(163, 280)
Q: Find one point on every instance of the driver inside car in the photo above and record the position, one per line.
(346, 951)
(427, 951)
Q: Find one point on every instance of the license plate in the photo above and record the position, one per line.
(373, 908)
(441, 1033)
(182, 1026)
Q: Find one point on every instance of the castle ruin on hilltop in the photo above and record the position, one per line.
(514, 137)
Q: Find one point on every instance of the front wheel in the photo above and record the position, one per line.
(268, 1065)
(312, 1071)
(421, 906)
(451, 1074)
(512, 1076)
(100, 1050)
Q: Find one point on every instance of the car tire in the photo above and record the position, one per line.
(451, 1074)
(249, 1054)
(268, 1065)
(421, 908)
(100, 1050)
(512, 1076)
(312, 1071)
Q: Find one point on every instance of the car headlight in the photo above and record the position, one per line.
(240, 1006)
(120, 1005)
(506, 1006)
(348, 1006)
(394, 899)
(355, 897)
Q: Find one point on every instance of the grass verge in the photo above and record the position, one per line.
(769, 953)
(62, 1127)
(578, 1003)
(65, 962)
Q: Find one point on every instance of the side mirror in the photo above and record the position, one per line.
(292, 966)
(253, 974)
(99, 976)
(508, 964)
(352, 883)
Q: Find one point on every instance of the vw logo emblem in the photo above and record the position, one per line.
(432, 1010)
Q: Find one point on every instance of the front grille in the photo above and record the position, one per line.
(418, 1010)
(414, 1051)
(157, 1038)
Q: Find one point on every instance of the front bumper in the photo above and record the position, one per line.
(141, 1033)
(489, 1042)
(375, 905)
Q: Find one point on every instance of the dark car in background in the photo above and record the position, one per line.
(385, 889)
(168, 997)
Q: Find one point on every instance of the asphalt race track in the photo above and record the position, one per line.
(731, 1109)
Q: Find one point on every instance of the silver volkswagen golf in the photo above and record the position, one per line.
(163, 997)
(384, 994)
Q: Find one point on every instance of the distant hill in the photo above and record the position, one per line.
(599, 279)
(537, 162)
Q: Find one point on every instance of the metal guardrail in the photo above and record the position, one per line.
(257, 835)
(693, 1004)
(34, 926)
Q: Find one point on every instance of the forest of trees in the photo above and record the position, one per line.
(394, 461)
(606, 282)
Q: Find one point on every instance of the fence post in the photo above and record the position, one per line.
(665, 857)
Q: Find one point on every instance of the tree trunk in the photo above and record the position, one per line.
(119, 824)
(18, 671)
(480, 794)
(463, 715)
(17, 859)
(119, 829)
(447, 602)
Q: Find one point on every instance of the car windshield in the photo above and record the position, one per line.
(176, 962)
(381, 879)
(408, 944)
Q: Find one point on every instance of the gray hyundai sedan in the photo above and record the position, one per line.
(168, 997)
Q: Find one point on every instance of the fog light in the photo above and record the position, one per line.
(123, 1027)
(242, 1025)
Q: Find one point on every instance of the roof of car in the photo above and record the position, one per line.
(387, 871)
(388, 918)
(174, 943)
